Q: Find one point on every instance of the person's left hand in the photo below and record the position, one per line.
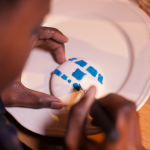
(17, 94)
(52, 38)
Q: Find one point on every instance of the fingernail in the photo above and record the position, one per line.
(61, 59)
(56, 105)
(66, 38)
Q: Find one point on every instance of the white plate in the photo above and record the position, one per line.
(114, 34)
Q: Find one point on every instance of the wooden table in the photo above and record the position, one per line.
(36, 142)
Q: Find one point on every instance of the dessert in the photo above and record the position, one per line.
(72, 78)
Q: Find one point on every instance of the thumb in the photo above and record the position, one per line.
(18, 95)
(77, 118)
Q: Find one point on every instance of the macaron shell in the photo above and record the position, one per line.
(65, 91)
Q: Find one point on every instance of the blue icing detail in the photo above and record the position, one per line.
(100, 78)
(64, 77)
(77, 86)
(92, 71)
(57, 72)
(78, 74)
(71, 59)
(81, 63)
(69, 81)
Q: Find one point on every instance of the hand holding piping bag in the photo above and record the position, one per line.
(124, 115)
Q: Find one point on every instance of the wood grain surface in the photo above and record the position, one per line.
(144, 116)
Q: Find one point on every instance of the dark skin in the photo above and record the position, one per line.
(17, 94)
(20, 31)
(121, 110)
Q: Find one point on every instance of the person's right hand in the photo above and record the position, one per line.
(126, 122)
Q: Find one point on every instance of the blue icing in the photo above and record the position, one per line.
(71, 59)
(78, 74)
(57, 72)
(81, 63)
(100, 78)
(77, 86)
(64, 77)
(69, 81)
(92, 71)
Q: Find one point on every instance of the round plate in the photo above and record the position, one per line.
(114, 34)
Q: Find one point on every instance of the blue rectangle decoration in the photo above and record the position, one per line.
(92, 71)
(77, 86)
(69, 81)
(64, 77)
(100, 78)
(78, 74)
(72, 59)
(81, 63)
(57, 72)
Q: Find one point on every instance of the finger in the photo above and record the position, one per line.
(116, 105)
(54, 39)
(112, 103)
(112, 99)
(77, 118)
(126, 119)
(42, 100)
(52, 33)
(59, 50)
(18, 95)
(125, 124)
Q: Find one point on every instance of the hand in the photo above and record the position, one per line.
(122, 111)
(52, 38)
(18, 95)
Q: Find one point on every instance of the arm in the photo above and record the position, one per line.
(17, 94)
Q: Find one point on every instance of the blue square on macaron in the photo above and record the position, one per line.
(72, 59)
(100, 78)
(57, 72)
(92, 71)
(69, 81)
(81, 63)
(77, 86)
(64, 77)
(78, 74)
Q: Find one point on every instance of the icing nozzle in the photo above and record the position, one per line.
(84, 91)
